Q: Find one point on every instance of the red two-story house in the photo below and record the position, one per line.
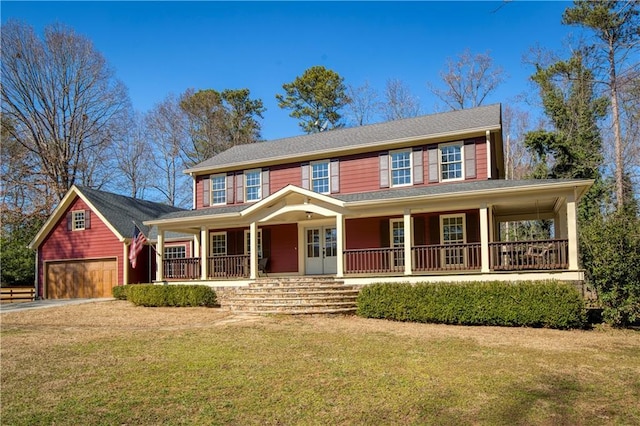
(419, 199)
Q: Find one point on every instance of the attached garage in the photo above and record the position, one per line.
(81, 278)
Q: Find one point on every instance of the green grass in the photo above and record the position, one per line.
(315, 371)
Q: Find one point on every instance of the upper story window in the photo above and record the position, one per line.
(320, 179)
(451, 161)
(218, 189)
(252, 185)
(78, 220)
(400, 167)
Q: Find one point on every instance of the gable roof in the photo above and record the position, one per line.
(118, 212)
(464, 121)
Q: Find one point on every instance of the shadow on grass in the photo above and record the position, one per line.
(542, 399)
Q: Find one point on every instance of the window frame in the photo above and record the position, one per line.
(397, 261)
(246, 174)
(173, 255)
(391, 168)
(212, 245)
(75, 221)
(326, 163)
(213, 190)
(446, 253)
(459, 144)
(247, 242)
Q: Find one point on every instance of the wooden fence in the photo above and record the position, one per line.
(17, 294)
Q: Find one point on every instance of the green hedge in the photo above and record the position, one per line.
(170, 295)
(120, 292)
(531, 304)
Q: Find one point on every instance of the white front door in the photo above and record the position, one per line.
(321, 250)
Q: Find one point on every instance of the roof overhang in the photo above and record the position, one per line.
(68, 199)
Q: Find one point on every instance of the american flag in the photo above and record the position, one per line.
(136, 245)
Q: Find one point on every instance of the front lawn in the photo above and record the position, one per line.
(112, 363)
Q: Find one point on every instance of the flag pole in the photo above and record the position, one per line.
(145, 237)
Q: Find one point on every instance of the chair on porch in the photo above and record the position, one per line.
(262, 265)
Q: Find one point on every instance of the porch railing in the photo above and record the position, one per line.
(529, 255)
(186, 268)
(446, 257)
(232, 266)
(374, 260)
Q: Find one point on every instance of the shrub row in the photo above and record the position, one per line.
(167, 295)
(120, 292)
(531, 304)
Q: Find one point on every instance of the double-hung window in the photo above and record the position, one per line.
(173, 269)
(320, 179)
(451, 162)
(400, 167)
(77, 220)
(218, 189)
(253, 185)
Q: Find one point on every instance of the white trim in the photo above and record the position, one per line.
(462, 170)
(73, 220)
(328, 164)
(244, 177)
(211, 241)
(400, 151)
(223, 176)
(462, 216)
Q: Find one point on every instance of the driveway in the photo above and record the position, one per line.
(42, 304)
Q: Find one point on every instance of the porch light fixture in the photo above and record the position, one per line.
(309, 214)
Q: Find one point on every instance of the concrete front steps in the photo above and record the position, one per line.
(294, 296)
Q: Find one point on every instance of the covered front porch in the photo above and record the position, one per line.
(296, 232)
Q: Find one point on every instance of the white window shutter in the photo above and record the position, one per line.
(384, 170)
(418, 169)
(335, 176)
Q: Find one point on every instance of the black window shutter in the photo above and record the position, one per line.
(266, 242)
(418, 231)
(434, 229)
(384, 233)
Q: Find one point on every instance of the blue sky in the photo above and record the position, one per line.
(159, 48)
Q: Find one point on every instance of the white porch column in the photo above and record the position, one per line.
(159, 256)
(125, 267)
(408, 233)
(204, 249)
(340, 237)
(253, 241)
(484, 238)
(572, 231)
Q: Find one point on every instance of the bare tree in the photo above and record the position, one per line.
(62, 100)
(468, 80)
(133, 158)
(515, 123)
(166, 129)
(399, 102)
(364, 104)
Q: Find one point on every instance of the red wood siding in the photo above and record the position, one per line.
(363, 233)
(284, 248)
(95, 243)
(359, 173)
(281, 176)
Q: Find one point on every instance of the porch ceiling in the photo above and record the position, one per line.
(535, 208)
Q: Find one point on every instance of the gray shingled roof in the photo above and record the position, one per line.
(393, 193)
(323, 142)
(122, 212)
